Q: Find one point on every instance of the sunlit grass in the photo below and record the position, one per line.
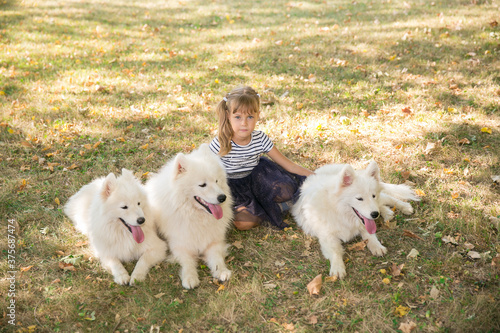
(88, 88)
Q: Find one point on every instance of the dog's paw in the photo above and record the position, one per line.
(377, 249)
(122, 278)
(387, 213)
(137, 277)
(338, 270)
(222, 275)
(407, 209)
(190, 282)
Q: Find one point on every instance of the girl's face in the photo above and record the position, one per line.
(243, 124)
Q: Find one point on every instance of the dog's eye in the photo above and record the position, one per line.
(124, 207)
(138, 204)
(374, 195)
(360, 199)
(203, 185)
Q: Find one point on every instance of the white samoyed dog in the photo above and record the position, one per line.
(338, 203)
(113, 212)
(194, 209)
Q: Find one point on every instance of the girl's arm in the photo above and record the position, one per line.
(286, 164)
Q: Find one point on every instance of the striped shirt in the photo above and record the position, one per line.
(241, 160)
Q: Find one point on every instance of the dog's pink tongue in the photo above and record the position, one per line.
(216, 211)
(137, 233)
(370, 225)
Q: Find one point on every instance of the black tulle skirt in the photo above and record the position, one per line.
(267, 193)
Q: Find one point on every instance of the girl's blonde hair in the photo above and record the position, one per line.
(245, 99)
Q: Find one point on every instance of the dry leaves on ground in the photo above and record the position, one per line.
(315, 285)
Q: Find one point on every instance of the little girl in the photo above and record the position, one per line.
(262, 190)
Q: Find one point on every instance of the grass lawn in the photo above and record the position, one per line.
(90, 87)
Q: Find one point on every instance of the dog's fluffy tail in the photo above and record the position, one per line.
(401, 191)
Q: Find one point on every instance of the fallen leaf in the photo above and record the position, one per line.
(221, 288)
(390, 224)
(315, 285)
(420, 193)
(496, 178)
(431, 146)
(410, 234)
(26, 144)
(71, 259)
(313, 320)
(434, 292)
(358, 246)
(407, 327)
(66, 267)
(159, 295)
(386, 280)
(464, 141)
(413, 254)
(401, 311)
(495, 262)
(474, 255)
(449, 239)
(486, 130)
(269, 285)
(468, 246)
(25, 269)
(279, 263)
(82, 243)
(56, 200)
(237, 244)
(406, 110)
(331, 278)
(396, 269)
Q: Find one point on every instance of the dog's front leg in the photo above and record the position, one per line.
(148, 259)
(119, 272)
(214, 257)
(374, 244)
(332, 249)
(389, 200)
(189, 274)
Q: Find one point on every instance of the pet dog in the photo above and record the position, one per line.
(338, 203)
(193, 205)
(113, 212)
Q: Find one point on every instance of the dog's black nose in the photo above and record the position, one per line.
(221, 198)
(374, 214)
(141, 220)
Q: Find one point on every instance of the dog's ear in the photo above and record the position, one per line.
(373, 170)
(108, 186)
(180, 165)
(205, 148)
(127, 173)
(347, 175)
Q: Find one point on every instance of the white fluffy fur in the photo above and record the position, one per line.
(192, 231)
(325, 208)
(96, 210)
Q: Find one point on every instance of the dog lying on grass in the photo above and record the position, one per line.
(338, 203)
(113, 212)
(193, 205)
